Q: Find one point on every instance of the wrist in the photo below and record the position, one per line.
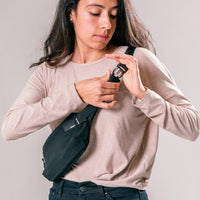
(142, 93)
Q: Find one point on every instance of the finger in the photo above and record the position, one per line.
(126, 62)
(126, 57)
(109, 91)
(107, 105)
(121, 56)
(107, 98)
(107, 76)
(111, 85)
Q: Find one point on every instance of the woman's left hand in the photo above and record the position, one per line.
(131, 78)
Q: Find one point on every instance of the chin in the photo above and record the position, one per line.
(100, 46)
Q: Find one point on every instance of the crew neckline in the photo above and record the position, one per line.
(97, 61)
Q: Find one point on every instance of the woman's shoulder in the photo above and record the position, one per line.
(150, 64)
(44, 69)
(148, 60)
(144, 54)
(48, 70)
(44, 72)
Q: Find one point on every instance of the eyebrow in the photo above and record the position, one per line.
(98, 5)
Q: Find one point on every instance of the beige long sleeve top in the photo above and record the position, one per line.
(124, 139)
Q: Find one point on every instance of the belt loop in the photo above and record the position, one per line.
(101, 190)
(61, 185)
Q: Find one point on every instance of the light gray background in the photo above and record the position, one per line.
(175, 27)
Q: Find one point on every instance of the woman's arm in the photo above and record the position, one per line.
(164, 103)
(34, 108)
(157, 95)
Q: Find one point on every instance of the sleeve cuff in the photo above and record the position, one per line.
(149, 102)
(136, 102)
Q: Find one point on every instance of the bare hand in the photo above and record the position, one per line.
(131, 78)
(98, 91)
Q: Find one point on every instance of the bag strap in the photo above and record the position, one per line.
(89, 111)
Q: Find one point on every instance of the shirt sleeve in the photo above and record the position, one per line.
(34, 108)
(164, 103)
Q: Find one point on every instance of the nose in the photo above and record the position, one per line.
(105, 22)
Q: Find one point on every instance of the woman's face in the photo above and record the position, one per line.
(94, 23)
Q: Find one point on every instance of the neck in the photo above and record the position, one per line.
(82, 55)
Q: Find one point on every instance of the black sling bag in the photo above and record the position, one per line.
(69, 140)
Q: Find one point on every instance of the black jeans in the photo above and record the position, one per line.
(70, 190)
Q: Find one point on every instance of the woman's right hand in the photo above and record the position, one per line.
(98, 91)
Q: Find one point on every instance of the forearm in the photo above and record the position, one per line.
(24, 119)
(181, 119)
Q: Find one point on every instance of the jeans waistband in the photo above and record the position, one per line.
(88, 188)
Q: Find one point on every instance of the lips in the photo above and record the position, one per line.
(102, 37)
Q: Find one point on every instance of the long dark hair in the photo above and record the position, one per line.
(60, 42)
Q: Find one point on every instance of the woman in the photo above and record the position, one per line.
(88, 39)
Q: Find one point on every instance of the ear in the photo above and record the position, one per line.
(72, 15)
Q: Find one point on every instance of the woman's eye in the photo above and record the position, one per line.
(113, 16)
(95, 14)
(98, 14)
